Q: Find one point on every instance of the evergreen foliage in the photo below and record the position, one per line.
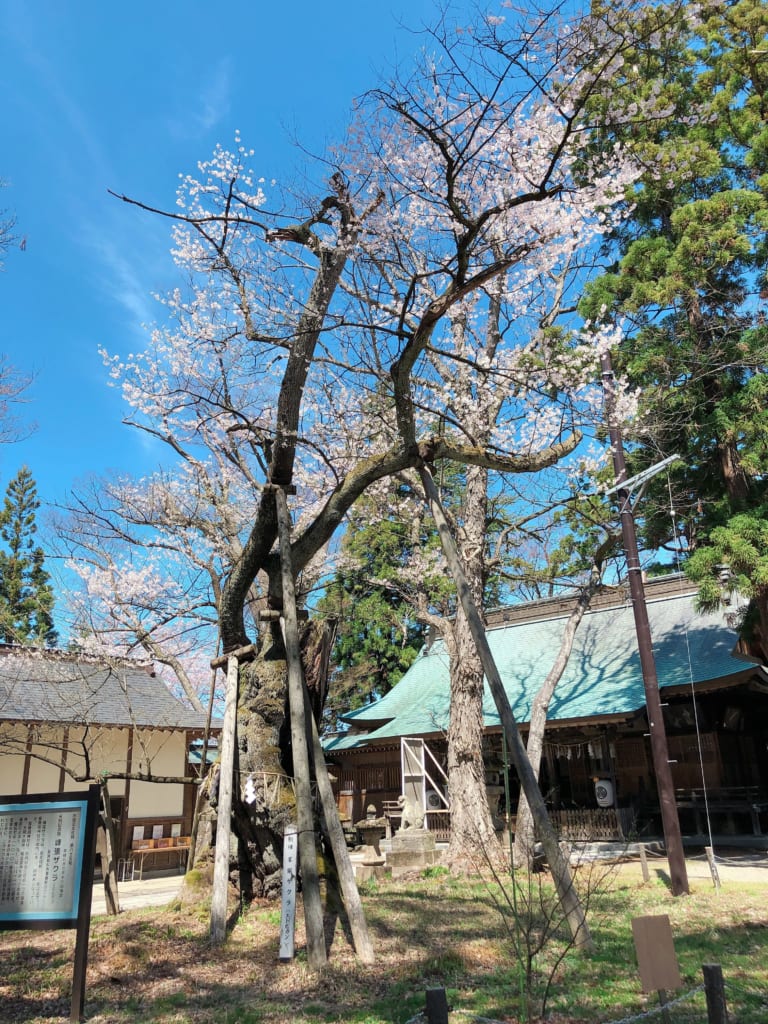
(374, 598)
(690, 278)
(26, 595)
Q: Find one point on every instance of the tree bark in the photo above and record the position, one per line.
(106, 845)
(523, 852)
(472, 827)
(561, 873)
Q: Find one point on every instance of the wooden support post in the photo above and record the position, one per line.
(437, 1006)
(349, 890)
(224, 810)
(83, 927)
(714, 988)
(561, 872)
(712, 866)
(663, 1004)
(644, 863)
(313, 910)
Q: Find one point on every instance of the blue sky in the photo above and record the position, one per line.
(100, 96)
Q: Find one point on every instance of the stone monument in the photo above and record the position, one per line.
(372, 830)
(413, 846)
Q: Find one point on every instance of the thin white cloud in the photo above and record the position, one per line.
(119, 276)
(210, 107)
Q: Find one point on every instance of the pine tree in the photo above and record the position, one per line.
(26, 595)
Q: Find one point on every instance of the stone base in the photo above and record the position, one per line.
(403, 862)
(413, 840)
(365, 872)
(412, 850)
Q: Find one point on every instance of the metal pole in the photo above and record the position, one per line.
(659, 751)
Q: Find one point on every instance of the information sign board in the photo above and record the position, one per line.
(41, 849)
(47, 854)
(655, 950)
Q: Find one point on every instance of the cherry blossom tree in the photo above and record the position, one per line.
(321, 339)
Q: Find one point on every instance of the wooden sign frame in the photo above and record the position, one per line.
(48, 852)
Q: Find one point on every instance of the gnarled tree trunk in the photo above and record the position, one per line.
(472, 831)
(263, 800)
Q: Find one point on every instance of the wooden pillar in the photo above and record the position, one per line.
(224, 812)
(313, 910)
(349, 890)
(27, 762)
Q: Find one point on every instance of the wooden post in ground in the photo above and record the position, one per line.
(191, 854)
(224, 809)
(662, 994)
(437, 1006)
(349, 890)
(313, 910)
(712, 866)
(644, 863)
(714, 988)
(561, 872)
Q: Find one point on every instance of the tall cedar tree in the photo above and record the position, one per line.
(691, 279)
(26, 596)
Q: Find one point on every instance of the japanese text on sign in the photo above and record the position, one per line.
(40, 861)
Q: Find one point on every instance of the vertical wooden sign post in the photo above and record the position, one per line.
(288, 903)
(656, 956)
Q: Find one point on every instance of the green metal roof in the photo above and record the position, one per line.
(603, 675)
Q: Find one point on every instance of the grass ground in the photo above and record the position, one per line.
(158, 966)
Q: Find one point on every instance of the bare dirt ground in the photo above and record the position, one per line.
(154, 963)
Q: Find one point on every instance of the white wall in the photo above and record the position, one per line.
(154, 751)
(161, 753)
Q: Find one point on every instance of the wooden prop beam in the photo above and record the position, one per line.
(313, 910)
(349, 890)
(240, 653)
(561, 872)
(224, 811)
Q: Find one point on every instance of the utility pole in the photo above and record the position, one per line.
(659, 751)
